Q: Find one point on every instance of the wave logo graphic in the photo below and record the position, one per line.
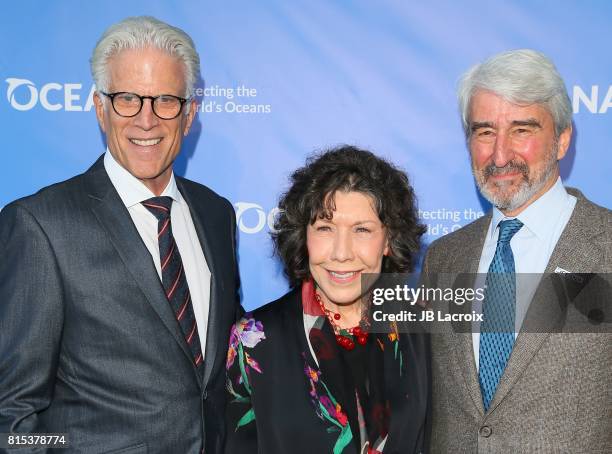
(52, 96)
(15, 83)
(252, 218)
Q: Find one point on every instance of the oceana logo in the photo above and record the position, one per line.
(23, 95)
(252, 218)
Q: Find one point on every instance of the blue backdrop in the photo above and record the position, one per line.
(286, 78)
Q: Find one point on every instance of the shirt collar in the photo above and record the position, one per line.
(131, 190)
(538, 217)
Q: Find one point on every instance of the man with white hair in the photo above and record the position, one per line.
(521, 380)
(118, 287)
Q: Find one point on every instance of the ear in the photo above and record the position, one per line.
(564, 142)
(99, 103)
(193, 106)
(387, 249)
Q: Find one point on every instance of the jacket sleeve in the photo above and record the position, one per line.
(239, 311)
(241, 426)
(31, 319)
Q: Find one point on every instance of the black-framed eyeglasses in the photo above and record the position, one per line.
(126, 104)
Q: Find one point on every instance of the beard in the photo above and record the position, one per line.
(511, 195)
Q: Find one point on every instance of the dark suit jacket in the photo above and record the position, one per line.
(89, 345)
(556, 392)
(287, 416)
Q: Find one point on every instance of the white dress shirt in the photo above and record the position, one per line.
(543, 222)
(132, 192)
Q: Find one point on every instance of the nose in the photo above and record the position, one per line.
(146, 118)
(343, 246)
(502, 150)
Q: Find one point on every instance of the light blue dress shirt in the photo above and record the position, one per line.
(543, 222)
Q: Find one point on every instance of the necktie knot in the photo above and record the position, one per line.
(507, 229)
(159, 207)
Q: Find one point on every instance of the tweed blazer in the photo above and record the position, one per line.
(556, 392)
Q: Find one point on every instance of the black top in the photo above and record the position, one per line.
(281, 400)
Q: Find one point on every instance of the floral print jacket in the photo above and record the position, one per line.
(278, 398)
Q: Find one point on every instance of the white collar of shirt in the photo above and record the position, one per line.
(540, 217)
(131, 190)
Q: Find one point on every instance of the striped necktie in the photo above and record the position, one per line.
(174, 280)
(497, 327)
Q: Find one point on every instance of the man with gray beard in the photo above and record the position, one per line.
(535, 386)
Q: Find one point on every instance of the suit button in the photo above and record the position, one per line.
(485, 431)
(204, 395)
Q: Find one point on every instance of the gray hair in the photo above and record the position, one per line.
(142, 32)
(522, 76)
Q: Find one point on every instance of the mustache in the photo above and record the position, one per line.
(510, 167)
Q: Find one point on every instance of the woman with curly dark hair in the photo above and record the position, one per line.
(305, 374)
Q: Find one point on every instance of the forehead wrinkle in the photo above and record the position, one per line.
(490, 124)
(144, 70)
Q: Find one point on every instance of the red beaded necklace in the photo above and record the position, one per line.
(344, 336)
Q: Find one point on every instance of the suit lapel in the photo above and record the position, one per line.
(466, 259)
(576, 251)
(112, 215)
(206, 235)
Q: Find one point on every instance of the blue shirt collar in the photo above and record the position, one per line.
(539, 217)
